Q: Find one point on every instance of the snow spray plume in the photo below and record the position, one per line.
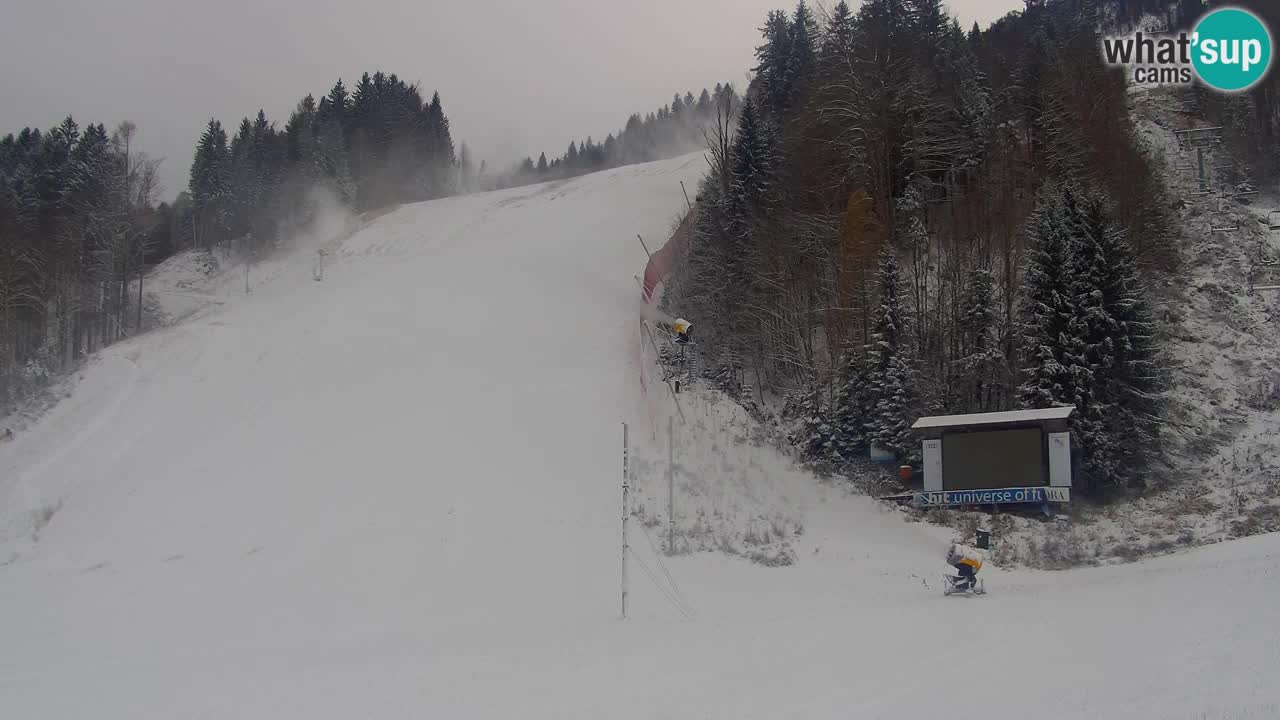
(328, 221)
(652, 314)
(608, 289)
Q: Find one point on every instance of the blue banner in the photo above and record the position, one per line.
(1001, 496)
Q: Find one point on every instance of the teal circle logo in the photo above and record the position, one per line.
(1231, 49)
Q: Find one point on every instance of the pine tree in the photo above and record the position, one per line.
(815, 434)
(300, 132)
(338, 103)
(1117, 409)
(267, 160)
(773, 71)
(889, 374)
(267, 142)
(210, 185)
(753, 163)
(838, 41)
(244, 183)
(1052, 351)
(366, 138)
(1135, 377)
(1092, 331)
(927, 19)
(890, 424)
(443, 138)
(1087, 335)
(542, 164)
(300, 172)
(802, 49)
(850, 410)
(752, 168)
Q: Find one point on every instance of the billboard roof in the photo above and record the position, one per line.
(995, 418)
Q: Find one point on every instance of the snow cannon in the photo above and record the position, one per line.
(959, 555)
(682, 328)
(967, 561)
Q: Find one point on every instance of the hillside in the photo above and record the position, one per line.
(395, 493)
(1218, 477)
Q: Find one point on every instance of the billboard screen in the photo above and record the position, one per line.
(994, 459)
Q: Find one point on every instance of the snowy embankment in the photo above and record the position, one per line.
(395, 493)
(1225, 426)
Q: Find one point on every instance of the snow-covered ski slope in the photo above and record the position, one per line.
(395, 494)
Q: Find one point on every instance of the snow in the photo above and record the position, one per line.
(993, 418)
(396, 493)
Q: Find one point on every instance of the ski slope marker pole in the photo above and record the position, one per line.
(626, 490)
(671, 486)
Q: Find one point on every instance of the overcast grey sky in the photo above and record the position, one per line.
(517, 77)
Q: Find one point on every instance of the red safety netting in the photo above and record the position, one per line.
(656, 271)
(663, 261)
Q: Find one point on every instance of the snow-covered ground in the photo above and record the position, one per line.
(396, 493)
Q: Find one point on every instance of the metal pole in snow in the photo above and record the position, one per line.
(686, 195)
(671, 486)
(626, 490)
(646, 247)
(689, 365)
(674, 397)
